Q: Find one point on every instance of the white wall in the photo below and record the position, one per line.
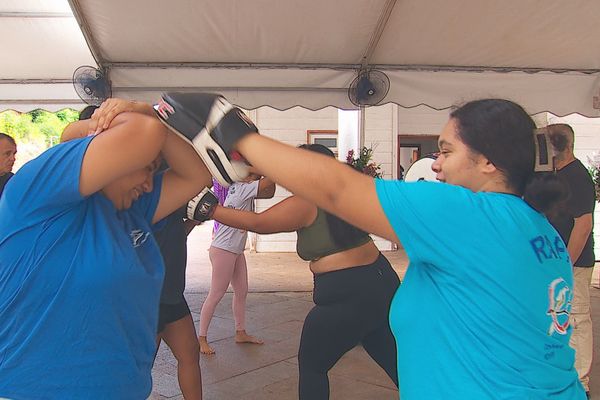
(289, 126)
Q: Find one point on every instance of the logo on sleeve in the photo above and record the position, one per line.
(138, 237)
(164, 109)
(559, 306)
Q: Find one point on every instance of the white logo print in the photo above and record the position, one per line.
(138, 237)
(559, 306)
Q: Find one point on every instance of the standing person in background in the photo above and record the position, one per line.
(574, 221)
(229, 263)
(220, 192)
(175, 324)
(8, 151)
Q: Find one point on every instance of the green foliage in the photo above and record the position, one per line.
(38, 126)
(35, 131)
(364, 162)
(594, 170)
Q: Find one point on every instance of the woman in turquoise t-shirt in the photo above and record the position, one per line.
(483, 312)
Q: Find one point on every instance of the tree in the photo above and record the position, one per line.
(36, 130)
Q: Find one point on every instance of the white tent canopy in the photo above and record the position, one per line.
(282, 53)
(41, 44)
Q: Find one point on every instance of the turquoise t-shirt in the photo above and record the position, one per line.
(79, 286)
(483, 310)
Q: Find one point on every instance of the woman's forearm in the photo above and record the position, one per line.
(239, 219)
(75, 130)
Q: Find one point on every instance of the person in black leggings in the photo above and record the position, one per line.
(351, 308)
(353, 287)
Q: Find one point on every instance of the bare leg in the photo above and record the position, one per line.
(223, 264)
(180, 336)
(239, 282)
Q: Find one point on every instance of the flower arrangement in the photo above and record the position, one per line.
(364, 162)
(594, 170)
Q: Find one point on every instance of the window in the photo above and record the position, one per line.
(325, 138)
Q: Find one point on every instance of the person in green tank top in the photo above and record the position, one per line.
(353, 287)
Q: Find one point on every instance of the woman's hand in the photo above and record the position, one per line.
(104, 115)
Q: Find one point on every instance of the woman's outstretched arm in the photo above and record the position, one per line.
(321, 180)
(288, 215)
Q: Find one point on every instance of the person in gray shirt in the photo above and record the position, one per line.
(229, 263)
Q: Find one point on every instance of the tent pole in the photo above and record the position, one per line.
(361, 127)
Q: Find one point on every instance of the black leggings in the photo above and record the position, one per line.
(351, 308)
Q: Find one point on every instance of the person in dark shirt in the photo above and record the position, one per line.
(8, 151)
(574, 221)
(175, 324)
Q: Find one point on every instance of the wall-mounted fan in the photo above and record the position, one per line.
(369, 88)
(91, 85)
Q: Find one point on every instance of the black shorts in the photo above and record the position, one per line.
(168, 313)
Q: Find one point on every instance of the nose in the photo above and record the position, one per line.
(436, 166)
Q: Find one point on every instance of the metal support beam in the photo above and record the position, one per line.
(381, 23)
(216, 88)
(87, 34)
(352, 67)
(33, 81)
(30, 14)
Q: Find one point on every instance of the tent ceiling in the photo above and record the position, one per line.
(542, 53)
(41, 46)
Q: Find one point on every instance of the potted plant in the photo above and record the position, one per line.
(364, 162)
(594, 170)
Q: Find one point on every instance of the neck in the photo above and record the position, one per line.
(494, 183)
(563, 160)
(496, 187)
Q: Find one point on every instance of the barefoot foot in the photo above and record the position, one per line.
(204, 347)
(243, 337)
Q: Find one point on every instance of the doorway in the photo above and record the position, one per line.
(411, 148)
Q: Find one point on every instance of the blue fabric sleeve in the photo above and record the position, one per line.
(430, 219)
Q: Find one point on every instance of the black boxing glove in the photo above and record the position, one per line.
(202, 207)
(213, 126)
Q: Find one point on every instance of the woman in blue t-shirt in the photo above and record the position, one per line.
(483, 312)
(80, 272)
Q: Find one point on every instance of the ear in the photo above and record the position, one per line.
(485, 165)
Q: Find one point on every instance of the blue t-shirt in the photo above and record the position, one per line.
(79, 286)
(483, 310)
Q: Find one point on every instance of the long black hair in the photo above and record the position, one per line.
(503, 132)
(344, 234)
